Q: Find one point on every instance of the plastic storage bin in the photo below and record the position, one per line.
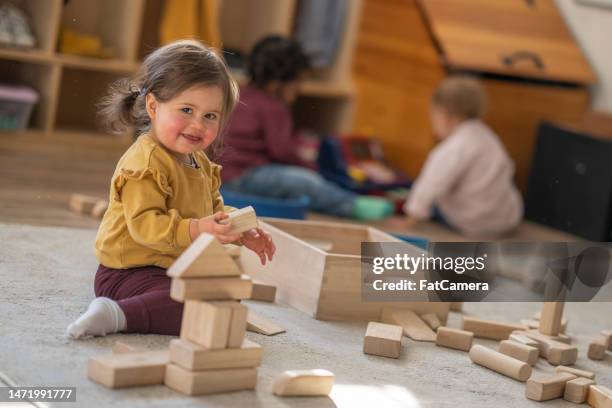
(294, 208)
(16, 105)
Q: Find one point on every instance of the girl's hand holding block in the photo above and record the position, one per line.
(212, 225)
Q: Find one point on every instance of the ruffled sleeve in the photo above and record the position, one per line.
(137, 175)
(218, 204)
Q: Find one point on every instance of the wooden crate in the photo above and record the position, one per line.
(317, 270)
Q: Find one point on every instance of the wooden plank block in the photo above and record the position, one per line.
(597, 348)
(599, 396)
(304, 383)
(490, 329)
(410, 322)
(456, 306)
(545, 388)
(576, 390)
(242, 220)
(122, 347)
(575, 371)
(82, 203)
(209, 381)
(194, 357)
(383, 339)
(530, 323)
(261, 325)
(432, 320)
(520, 351)
(519, 338)
(454, 338)
(550, 318)
(233, 250)
(555, 352)
(263, 292)
(564, 322)
(608, 335)
(205, 257)
(238, 326)
(211, 288)
(128, 369)
(207, 323)
(500, 363)
(99, 209)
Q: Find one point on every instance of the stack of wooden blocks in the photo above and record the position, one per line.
(212, 354)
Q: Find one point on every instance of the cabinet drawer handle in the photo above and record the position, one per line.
(510, 59)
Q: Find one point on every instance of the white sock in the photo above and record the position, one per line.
(103, 316)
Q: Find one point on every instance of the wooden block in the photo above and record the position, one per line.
(575, 371)
(261, 325)
(410, 322)
(550, 318)
(454, 338)
(207, 323)
(500, 363)
(304, 383)
(128, 369)
(263, 292)
(563, 322)
(490, 329)
(576, 390)
(233, 250)
(456, 306)
(432, 320)
(242, 220)
(548, 387)
(82, 204)
(520, 351)
(99, 209)
(383, 339)
(194, 357)
(211, 288)
(532, 324)
(599, 396)
(519, 338)
(209, 381)
(205, 257)
(121, 347)
(608, 335)
(555, 352)
(238, 325)
(597, 348)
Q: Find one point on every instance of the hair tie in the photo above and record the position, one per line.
(143, 91)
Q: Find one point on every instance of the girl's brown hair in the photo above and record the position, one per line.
(165, 73)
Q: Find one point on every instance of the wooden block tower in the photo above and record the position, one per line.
(212, 354)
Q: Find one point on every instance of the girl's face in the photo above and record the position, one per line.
(188, 122)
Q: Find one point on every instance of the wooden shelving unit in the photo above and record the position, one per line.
(70, 85)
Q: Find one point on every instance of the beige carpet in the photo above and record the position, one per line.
(47, 273)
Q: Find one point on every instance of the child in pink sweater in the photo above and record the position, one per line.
(467, 180)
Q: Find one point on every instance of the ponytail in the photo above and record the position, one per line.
(123, 108)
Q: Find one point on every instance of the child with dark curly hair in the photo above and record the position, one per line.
(261, 143)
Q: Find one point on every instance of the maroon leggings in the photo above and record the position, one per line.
(144, 296)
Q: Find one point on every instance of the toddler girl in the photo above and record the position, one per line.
(467, 179)
(165, 190)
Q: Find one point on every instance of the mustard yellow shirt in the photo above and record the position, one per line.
(153, 197)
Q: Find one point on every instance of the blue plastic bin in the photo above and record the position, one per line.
(417, 241)
(293, 208)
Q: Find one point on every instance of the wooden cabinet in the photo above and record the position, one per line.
(530, 65)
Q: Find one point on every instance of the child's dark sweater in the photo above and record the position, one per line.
(260, 132)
